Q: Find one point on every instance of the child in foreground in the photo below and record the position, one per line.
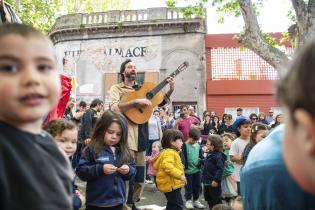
(296, 92)
(65, 134)
(107, 163)
(34, 173)
(213, 170)
(170, 177)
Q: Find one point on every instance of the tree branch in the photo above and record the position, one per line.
(311, 18)
(300, 9)
(252, 37)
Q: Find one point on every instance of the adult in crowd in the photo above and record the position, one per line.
(253, 118)
(278, 121)
(262, 118)
(269, 117)
(185, 122)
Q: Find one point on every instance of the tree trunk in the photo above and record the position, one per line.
(252, 37)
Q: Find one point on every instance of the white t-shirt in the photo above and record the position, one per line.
(154, 125)
(237, 148)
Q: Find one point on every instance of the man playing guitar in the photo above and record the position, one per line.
(137, 133)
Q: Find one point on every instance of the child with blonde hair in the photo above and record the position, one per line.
(156, 147)
(170, 176)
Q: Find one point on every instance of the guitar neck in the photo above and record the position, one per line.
(162, 84)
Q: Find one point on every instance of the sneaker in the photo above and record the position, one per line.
(189, 204)
(148, 181)
(199, 205)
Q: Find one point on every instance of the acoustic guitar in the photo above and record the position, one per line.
(150, 91)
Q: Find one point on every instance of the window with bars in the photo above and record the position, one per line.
(240, 64)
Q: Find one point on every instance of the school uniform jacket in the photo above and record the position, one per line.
(103, 189)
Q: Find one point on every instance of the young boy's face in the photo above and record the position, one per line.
(177, 144)
(299, 148)
(29, 82)
(245, 130)
(67, 141)
(210, 147)
(226, 142)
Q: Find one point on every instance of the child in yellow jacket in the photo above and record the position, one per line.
(170, 176)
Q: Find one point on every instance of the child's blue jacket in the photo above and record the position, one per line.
(103, 189)
(213, 167)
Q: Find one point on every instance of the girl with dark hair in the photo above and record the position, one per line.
(170, 176)
(107, 162)
(258, 132)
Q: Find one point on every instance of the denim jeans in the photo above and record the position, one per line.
(193, 186)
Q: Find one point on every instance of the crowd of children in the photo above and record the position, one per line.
(30, 88)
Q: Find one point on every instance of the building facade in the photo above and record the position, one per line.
(237, 77)
(91, 47)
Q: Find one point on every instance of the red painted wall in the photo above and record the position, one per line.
(236, 93)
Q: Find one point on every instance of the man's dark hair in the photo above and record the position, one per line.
(82, 104)
(96, 102)
(183, 106)
(296, 89)
(194, 133)
(123, 67)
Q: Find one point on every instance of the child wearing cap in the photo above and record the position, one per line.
(238, 146)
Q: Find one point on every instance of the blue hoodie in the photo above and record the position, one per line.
(103, 189)
(213, 167)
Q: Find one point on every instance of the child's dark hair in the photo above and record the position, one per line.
(194, 133)
(295, 90)
(170, 135)
(101, 126)
(254, 131)
(216, 142)
(20, 29)
(57, 126)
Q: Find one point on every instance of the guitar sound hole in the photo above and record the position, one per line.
(149, 95)
(140, 110)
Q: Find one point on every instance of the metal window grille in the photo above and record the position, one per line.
(240, 64)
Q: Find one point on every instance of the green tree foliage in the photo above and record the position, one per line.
(42, 14)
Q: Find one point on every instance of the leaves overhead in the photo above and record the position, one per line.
(42, 14)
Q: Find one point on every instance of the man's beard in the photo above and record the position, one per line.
(131, 77)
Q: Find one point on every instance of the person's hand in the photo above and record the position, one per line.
(171, 82)
(81, 197)
(142, 102)
(214, 184)
(109, 168)
(183, 178)
(87, 141)
(124, 169)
